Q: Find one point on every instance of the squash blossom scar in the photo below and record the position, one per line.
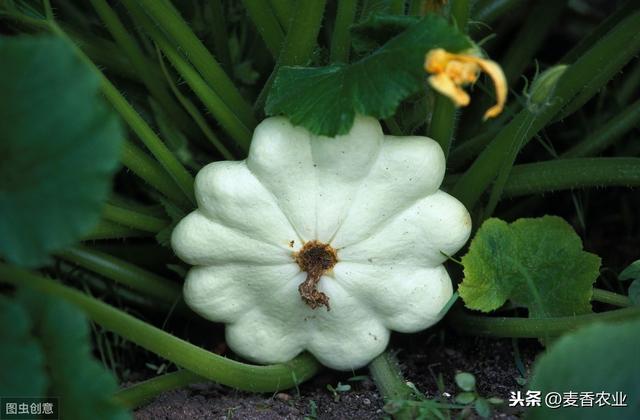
(449, 72)
(315, 258)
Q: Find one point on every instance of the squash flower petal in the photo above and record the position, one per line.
(450, 72)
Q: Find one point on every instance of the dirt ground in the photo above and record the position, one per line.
(425, 356)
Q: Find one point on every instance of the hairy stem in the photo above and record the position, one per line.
(563, 174)
(391, 385)
(265, 20)
(110, 230)
(147, 169)
(152, 77)
(607, 134)
(195, 113)
(611, 298)
(204, 363)
(133, 219)
(466, 323)
(229, 121)
(589, 73)
(178, 30)
(136, 395)
(145, 282)
(298, 46)
(341, 39)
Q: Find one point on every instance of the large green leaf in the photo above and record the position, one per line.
(597, 359)
(326, 99)
(377, 29)
(60, 146)
(19, 349)
(45, 352)
(536, 263)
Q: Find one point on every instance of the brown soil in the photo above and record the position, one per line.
(427, 356)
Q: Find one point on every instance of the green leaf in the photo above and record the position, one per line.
(536, 263)
(377, 29)
(325, 100)
(19, 349)
(483, 408)
(597, 358)
(465, 397)
(60, 146)
(46, 352)
(465, 381)
(634, 292)
(632, 272)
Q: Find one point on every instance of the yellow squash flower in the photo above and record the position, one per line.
(449, 72)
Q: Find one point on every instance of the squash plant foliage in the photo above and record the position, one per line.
(109, 109)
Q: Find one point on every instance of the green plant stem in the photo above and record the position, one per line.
(151, 172)
(212, 101)
(460, 13)
(300, 41)
(158, 149)
(174, 168)
(104, 53)
(125, 297)
(143, 254)
(283, 10)
(630, 84)
(615, 299)
(341, 38)
(220, 33)
(541, 19)
(396, 7)
(388, 378)
(32, 23)
(204, 363)
(152, 78)
(607, 134)
(178, 30)
(133, 219)
(466, 323)
(110, 230)
(605, 26)
(303, 33)
(393, 126)
(145, 282)
(608, 67)
(267, 24)
(138, 394)
(508, 160)
(195, 114)
(606, 56)
(563, 174)
(443, 122)
(443, 119)
(464, 152)
(488, 11)
(415, 7)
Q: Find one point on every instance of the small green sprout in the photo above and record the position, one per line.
(340, 388)
(469, 396)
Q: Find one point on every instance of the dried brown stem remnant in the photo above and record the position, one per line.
(315, 258)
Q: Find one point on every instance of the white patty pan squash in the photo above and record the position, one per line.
(321, 244)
